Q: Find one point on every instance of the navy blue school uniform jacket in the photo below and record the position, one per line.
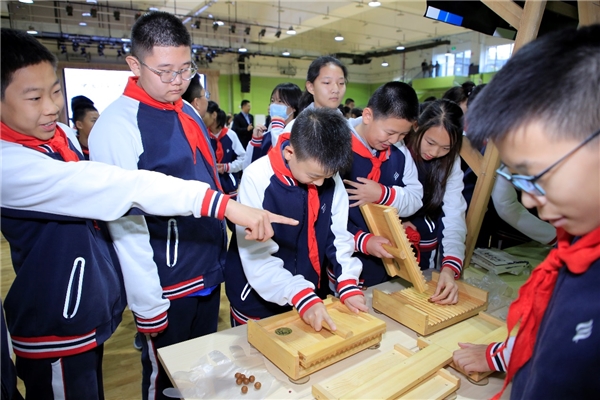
(400, 188)
(566, 356)
(188, 253)
(229, 151)
(68, 296)
(258, 147)
(268, 278)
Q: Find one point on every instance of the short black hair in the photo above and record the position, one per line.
(80, 105)
(313, 72)
(395, 100)
(348, 101)
(194, 90)
(212, 107)
(553, 80)
(474, 93)
(289, 93)
(323, 135)
(430, 98)
(244, 102)
(459, 94)
(356, 112)
(20, 50)
(221, 119)
(157, 28)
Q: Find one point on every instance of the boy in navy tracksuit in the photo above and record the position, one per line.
(299, 178)
(67, 297)
(551, 138)
(381, 172)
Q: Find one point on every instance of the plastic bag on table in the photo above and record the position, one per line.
(213, 377)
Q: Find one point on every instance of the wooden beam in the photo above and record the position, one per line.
(589, 12)
(528, 30)
(508, 10)
(471, 155)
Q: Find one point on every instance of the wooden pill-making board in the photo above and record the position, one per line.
(410, 306)
(482, 329)
(396, 374)
(298, 350)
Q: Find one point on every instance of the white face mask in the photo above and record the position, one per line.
(279, 110)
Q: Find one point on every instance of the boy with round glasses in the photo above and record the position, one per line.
(550, 139)
(180, 259)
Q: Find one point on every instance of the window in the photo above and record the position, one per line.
(496, 57)
(461, 64)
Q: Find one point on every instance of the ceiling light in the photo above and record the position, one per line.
(69, 9)
(286, 53)
(291, 31)
(153, 8)
(374, 3)
(400, 47)
(63, 49)
(94, 12)
(86, 14)
(339, 37)
(384, 63)
(242, 49)
(75, 46)
(101, 49)
(448, 52)
(220, 23)
(32, 31)
(82, 24)
(247, 30)
(117, 15)
(126, 48)
(262, 32)
(26, 1)
(91, 1)
(232, 28)
(196, 24)
(215, 26)
(278, 34)
(125, 39)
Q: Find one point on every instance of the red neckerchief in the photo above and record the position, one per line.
(359, 148)
(58, 143)
(219, 152)
(534, 295)
(284, 175)
(191, 129)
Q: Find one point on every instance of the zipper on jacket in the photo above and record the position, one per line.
(74, 292)
(172, 227)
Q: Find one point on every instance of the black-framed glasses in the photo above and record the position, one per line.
(527, 183)
(169, 76)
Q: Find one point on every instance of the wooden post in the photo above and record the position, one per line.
(528, 27)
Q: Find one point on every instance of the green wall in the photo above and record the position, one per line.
(230, 94)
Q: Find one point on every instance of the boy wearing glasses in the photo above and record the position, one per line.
(151, 128)
(549, 139)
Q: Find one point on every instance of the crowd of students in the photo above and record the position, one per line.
(143, 223)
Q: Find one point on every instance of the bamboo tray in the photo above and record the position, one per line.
(396, 374)
(482, 329)
(410, 306)
(298, 350)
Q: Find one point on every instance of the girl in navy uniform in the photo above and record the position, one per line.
(435, 147)
(229, 154)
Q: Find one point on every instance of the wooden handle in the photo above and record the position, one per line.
(340, 331)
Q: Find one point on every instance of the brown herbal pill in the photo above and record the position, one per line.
(246, 381)
(237, 375)
(257, 385)
(251, 378)
(238, 381)
(244, 389)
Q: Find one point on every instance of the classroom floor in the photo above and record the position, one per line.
(122, 366)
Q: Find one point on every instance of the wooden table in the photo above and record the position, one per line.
(182, 356)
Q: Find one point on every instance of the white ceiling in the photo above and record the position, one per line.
(364, 28)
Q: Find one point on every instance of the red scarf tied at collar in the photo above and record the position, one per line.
(534, 295)
(219, 152)
(359, 148)
(284, 175)
(191, 129)
(58, 143)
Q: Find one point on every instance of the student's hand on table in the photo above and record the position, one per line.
(356, 303)
(446, 291)
(363, 191)
(316, 315)
(259, 131)
(257, 222)
(471, 357)
(221, 168)
(375, 247)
